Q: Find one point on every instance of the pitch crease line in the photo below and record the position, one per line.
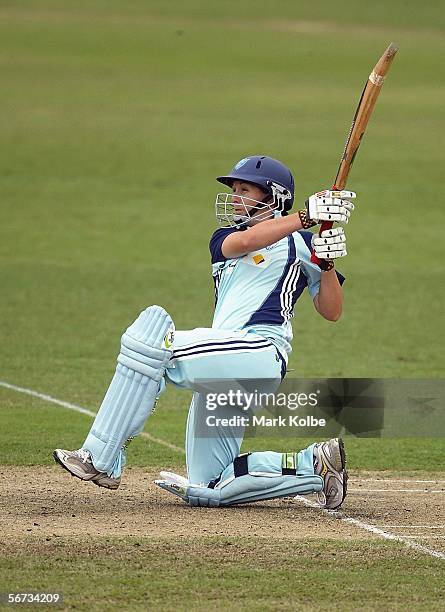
(387, 535)
(76, 408)
(425, 537)
(390, 480)
(412, 526)
(396, 491)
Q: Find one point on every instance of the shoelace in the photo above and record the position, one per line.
(83, 454)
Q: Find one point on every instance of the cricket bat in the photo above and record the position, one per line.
(363, 112)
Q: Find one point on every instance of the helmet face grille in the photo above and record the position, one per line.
(240, 214)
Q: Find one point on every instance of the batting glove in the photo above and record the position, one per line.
(330, 244)
(330, 206)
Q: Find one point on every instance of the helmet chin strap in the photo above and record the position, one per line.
(268, 199)
(278, 196)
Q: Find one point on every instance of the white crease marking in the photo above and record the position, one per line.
(413, 526)
(396, 490)
(426, 537)
(372, 529)
(390, 480)
(76, 408)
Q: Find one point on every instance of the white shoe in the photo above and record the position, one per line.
(79, 464)
(330, 464)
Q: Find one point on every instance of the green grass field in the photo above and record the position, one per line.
(116, 118)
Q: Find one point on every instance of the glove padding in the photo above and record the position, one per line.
(330, 244)
(330, 206)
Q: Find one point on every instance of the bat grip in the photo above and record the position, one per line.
(324, 226)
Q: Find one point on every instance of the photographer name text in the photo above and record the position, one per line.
(263, 421)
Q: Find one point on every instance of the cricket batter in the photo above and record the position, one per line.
(261, 264)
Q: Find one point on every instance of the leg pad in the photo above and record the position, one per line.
(145, 352)
(267, 477)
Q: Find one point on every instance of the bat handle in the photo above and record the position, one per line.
(324, 226)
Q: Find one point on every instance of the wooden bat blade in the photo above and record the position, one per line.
(362, 115)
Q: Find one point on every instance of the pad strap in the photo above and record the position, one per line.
(240, 465)
(289, 467)
(289, 464)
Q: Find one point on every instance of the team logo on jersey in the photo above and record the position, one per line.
(258, 259)
(241, 163)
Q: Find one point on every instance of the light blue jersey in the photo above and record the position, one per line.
(259, 291)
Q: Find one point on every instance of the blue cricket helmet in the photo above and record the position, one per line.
(262, 171)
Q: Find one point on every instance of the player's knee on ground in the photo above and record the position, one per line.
(254, 477)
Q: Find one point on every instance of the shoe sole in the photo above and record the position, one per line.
(341, 448)
(103, 486)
